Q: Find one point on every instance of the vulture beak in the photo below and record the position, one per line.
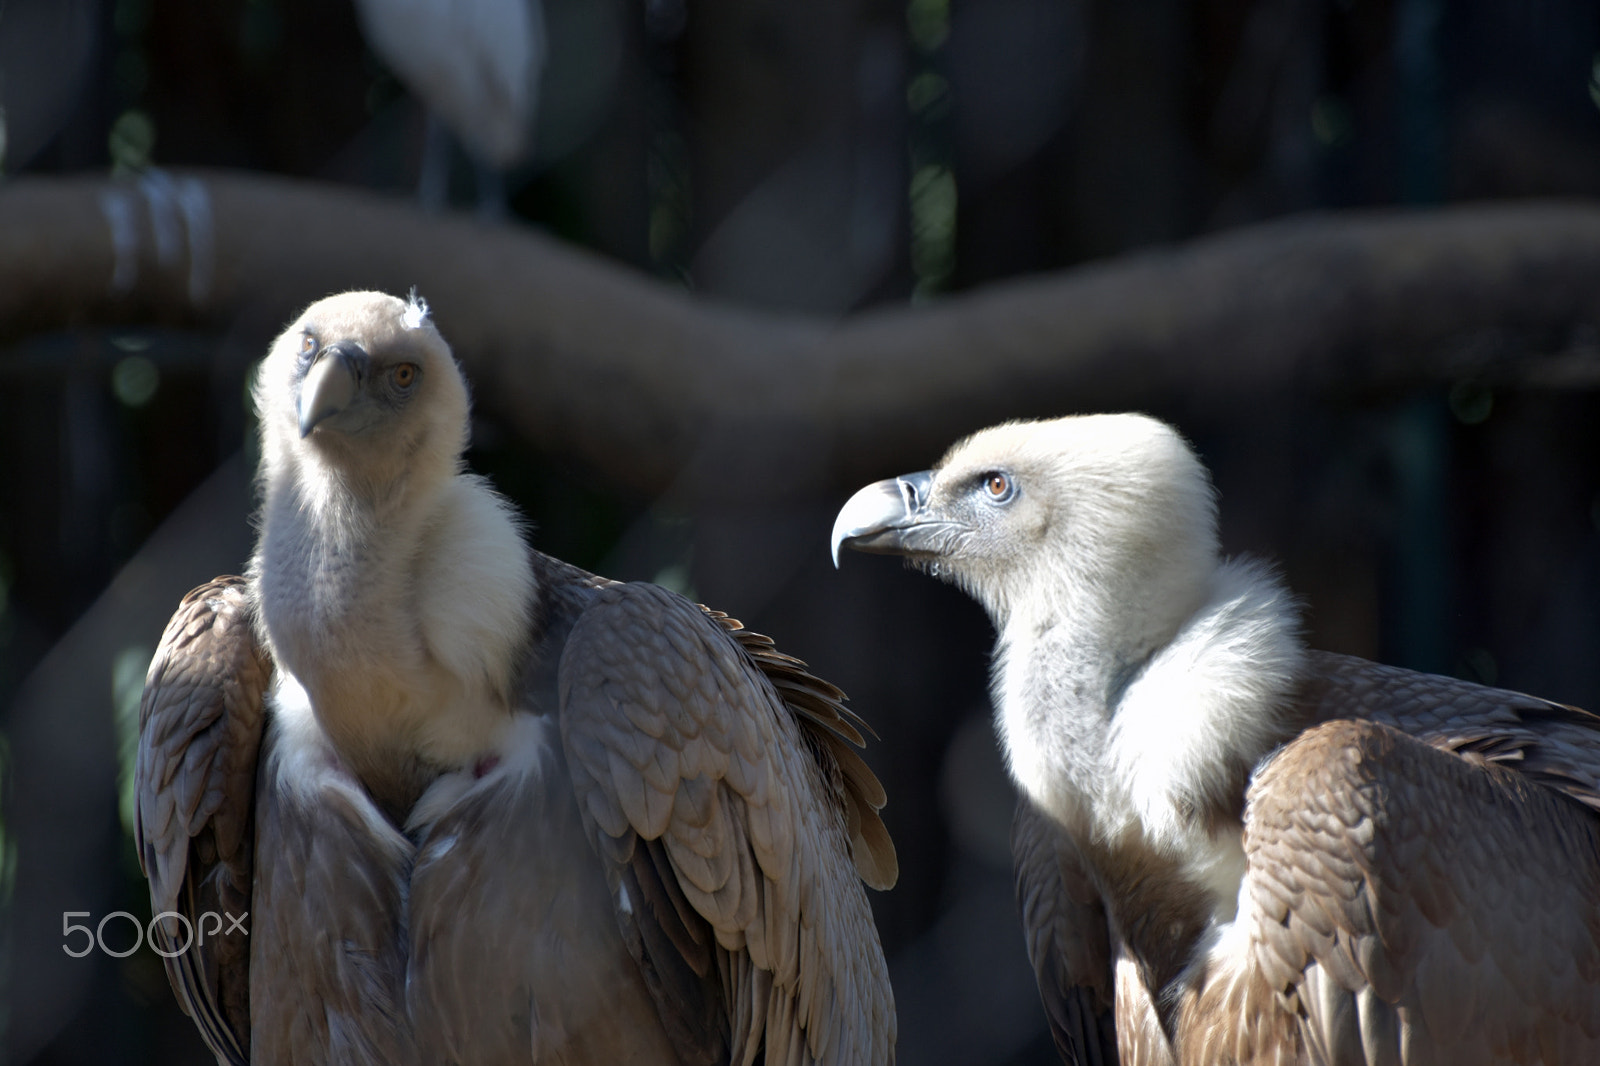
(888, 517)
(331, 384)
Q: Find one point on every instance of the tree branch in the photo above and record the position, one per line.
(648, 383)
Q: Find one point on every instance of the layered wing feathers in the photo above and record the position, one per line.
(1423, 870)
(1409, 906)
(200, 731)
(828, 724)
(729, 841)
(1551, 744)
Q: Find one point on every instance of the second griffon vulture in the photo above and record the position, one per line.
(1231, 849)
(482, 807)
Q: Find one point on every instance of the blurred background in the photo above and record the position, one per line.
(856, 229)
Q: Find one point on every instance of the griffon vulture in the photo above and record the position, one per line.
(480, 806)
(1232, 849)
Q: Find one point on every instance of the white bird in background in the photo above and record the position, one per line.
(476, 65)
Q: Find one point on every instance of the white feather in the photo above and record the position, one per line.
(1210, 697)
(474, 589)
(416, 312)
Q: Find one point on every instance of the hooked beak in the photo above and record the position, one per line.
(331, 384)
(887, 517)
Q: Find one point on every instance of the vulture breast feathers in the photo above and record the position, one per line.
(1230, 849)
(478, 805)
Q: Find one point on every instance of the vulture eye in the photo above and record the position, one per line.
(997, 487)
(404, 375)
(308, 344)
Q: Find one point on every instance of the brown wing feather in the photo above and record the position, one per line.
(328, 963)
(818, 707)
(1410, 906)
(726, 834)
(1549, 743)
(1068, 936)
(199, 734)
(514, 945)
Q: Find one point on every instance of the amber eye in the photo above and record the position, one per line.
(308, 344)
(997, 485)
(405, 374)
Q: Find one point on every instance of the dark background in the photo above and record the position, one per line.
(818, 158)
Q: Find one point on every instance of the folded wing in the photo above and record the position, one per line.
(728, 823)
(1064, 920)
(1422, 883)
(199, 733)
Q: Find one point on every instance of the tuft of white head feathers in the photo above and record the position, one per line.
(416, 312)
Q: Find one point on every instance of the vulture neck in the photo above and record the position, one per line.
(1140, 739)
(401, 610)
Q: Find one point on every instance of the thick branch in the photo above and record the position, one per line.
(645, 381)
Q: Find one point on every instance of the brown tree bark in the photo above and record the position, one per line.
(648, 384)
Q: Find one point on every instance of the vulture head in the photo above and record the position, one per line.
(1107, 518)
(363, 385)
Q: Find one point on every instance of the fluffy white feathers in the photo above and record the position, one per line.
(472, 600)
(1210, 696)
